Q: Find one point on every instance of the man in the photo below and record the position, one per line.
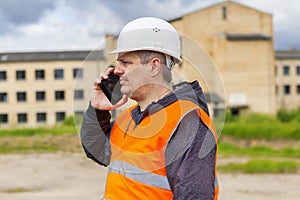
(165, 146)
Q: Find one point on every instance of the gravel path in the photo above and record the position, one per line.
(71, 176)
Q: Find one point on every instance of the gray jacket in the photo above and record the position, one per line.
(190, 153)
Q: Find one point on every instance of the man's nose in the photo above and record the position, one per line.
(119, 69)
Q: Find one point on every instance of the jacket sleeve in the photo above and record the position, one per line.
(190, 157)
(94, 134)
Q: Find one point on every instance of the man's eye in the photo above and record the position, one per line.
(126, 63)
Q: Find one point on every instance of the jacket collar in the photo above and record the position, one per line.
(182, 91)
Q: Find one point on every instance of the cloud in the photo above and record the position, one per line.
(76, 24)
(16, 12)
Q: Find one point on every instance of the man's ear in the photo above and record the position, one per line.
(156, 66)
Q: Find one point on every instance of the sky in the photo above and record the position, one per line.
(47, 25)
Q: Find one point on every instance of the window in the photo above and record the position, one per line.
(287, 89)
(298, 89)
(40, 96)
(3, 119)
(58, 73)
(77, 73)
(275, 70)
(79, 113)
(21, 96)
(60, 116)
(276, 89)
(22, 118)
(41, 117)
(78, 94)
(20, 75)
(59, 95)
(2, 75)
(286, 70)
(40, 74)
(3, 97)
(298, 70)
(224, 12)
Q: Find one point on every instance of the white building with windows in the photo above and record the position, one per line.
(37, 88)
(287, 76)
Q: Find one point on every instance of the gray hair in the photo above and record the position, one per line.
(146, 56)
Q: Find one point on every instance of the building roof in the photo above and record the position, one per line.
(291, 54)
(51, 56)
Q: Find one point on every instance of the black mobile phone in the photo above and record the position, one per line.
(111, 88)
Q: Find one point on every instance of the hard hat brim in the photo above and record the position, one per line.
(117, 51)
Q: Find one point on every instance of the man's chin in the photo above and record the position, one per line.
(125, 91)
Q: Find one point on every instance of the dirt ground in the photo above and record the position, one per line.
(66, 176)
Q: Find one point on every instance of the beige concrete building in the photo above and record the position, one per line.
(239, 40)
(287, 76)
(228, 47)
(38, 88)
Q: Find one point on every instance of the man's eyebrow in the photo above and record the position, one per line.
(120, 59)
(123, 60)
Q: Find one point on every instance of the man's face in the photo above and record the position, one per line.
(133, 75)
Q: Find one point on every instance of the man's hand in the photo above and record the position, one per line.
(98, 98)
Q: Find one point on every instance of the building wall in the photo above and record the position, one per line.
(246, 66)
(287, 83)
(51, 106)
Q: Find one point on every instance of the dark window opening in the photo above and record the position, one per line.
(22, 118)
(3, 119)
(59, 95)
(59, 74)
(3, 97)
(60, 116)
(2, 75)
(21, 96)
(286, 70)
(78, 94)
(20, 75)
(40, 74)
(77, 73)
(287, 89)
(40, 96)
(41, 117)
(224, 12)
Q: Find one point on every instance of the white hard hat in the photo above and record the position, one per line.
(149, 33)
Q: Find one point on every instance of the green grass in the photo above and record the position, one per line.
(19, 190)
(259, 126)
(261, 167)
(66, 127)
(56, 130)
(262, 151)
(28, 149)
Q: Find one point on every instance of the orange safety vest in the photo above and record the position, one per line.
(138, 165)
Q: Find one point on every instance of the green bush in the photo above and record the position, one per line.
(285, 115)
(69, 121)
(262, 126)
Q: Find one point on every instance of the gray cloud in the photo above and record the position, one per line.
(77, 24)
(17, 12)
(20, 12)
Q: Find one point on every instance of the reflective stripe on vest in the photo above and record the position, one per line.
(139, 175)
